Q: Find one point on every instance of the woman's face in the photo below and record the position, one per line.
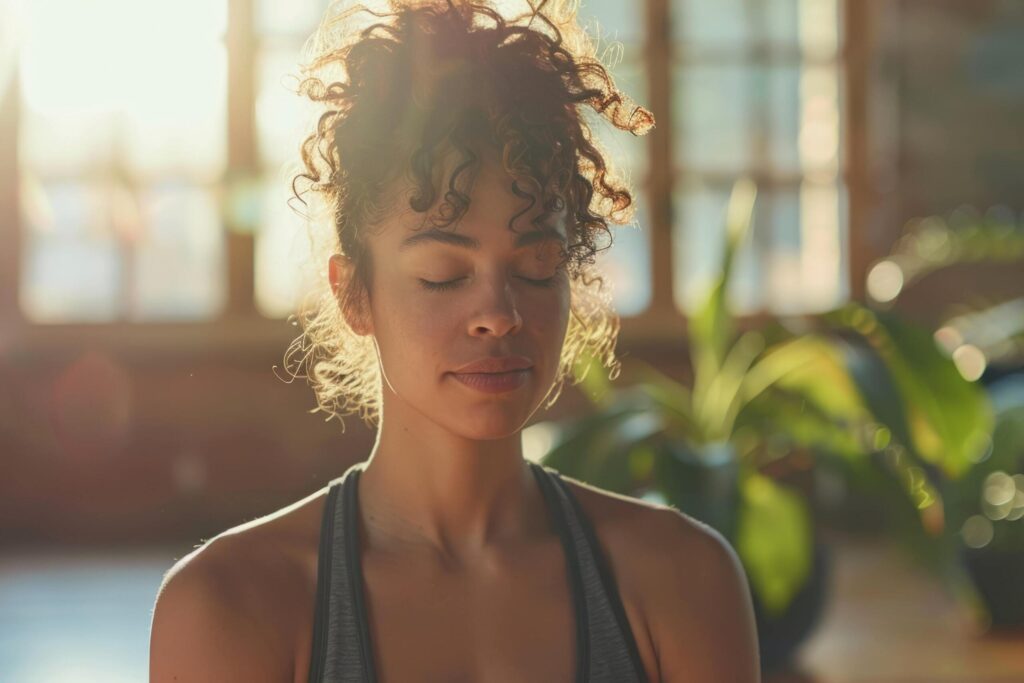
(441, 299)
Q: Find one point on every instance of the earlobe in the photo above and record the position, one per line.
(341, 270)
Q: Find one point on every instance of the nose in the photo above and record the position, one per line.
(497, 314)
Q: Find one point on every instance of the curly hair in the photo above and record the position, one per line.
(418, 82)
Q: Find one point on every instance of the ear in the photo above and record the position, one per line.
(341, 271)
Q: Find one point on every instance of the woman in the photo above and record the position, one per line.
(466, 200)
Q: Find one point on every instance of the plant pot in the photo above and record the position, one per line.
(998, 576)
(780, 636)
(702, 482)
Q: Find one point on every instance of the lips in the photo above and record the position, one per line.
(494, 382)
(495, 364)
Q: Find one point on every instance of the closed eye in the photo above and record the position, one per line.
(452, 284)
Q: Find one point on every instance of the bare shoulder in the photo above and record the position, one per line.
(643, 525)
(233, 608)
(688, 581)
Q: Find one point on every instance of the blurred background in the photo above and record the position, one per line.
(823, 361)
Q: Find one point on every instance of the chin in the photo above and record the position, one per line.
(493, 422)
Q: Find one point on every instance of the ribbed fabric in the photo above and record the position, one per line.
(606, 651)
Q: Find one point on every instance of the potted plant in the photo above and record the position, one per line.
(852, 386)
(982, 549)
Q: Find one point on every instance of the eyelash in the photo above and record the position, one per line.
(452, 284)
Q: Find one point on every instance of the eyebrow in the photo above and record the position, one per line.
(465, 241)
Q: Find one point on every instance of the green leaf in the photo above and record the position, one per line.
(801, 421)
(950, 417)
(916, 391)
(711, 328)
(669, 397)
(812, 366)
(724, 398)
(774, 541)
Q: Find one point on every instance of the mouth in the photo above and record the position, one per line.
(494, 382)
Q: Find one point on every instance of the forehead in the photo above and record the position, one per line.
(487, 220)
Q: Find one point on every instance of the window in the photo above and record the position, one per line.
(122, 145)
(140, 182)
(756, 91)
(282, 119)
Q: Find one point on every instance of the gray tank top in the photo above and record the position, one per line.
(606, 650)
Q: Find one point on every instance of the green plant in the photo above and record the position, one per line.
(973, 334)
(854, 385)
(987, 504)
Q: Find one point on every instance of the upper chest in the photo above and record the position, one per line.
(511, 619)
(507, 620)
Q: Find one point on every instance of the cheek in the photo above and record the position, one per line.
(546, 321)
(550, 313)
(413, 319)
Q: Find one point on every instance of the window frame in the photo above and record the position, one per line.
(241, 327)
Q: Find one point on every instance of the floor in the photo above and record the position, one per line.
(890, 623)
(78, 617)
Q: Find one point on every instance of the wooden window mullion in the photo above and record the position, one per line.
(243, 155)
(858, 36)
(658, 48)
(10, 223)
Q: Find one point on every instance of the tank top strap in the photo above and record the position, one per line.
(341, 647)
(611, 652)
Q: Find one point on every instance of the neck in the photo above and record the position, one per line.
(425, 488)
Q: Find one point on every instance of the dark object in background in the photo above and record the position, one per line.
(999, 577)
(779, 637)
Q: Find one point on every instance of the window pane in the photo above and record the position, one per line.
(721, 25)
(179, 264)
(66, 143)
(283, 258)
(778, 215)
(805, 248)
(146, 79)
(782, 22)
(819, 118)
(281, 114)
(176, 117)
(824, 249)
(794, 260)
(819, 27)
(783, 83)
(627, 264)
(620, 20)
(811, 25)
(95, 252)
(71, 261)
(713, 111)
(294, 17)
(698, 238)
(803, 121)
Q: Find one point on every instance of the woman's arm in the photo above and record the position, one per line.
(701, 614)
(205, 629)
